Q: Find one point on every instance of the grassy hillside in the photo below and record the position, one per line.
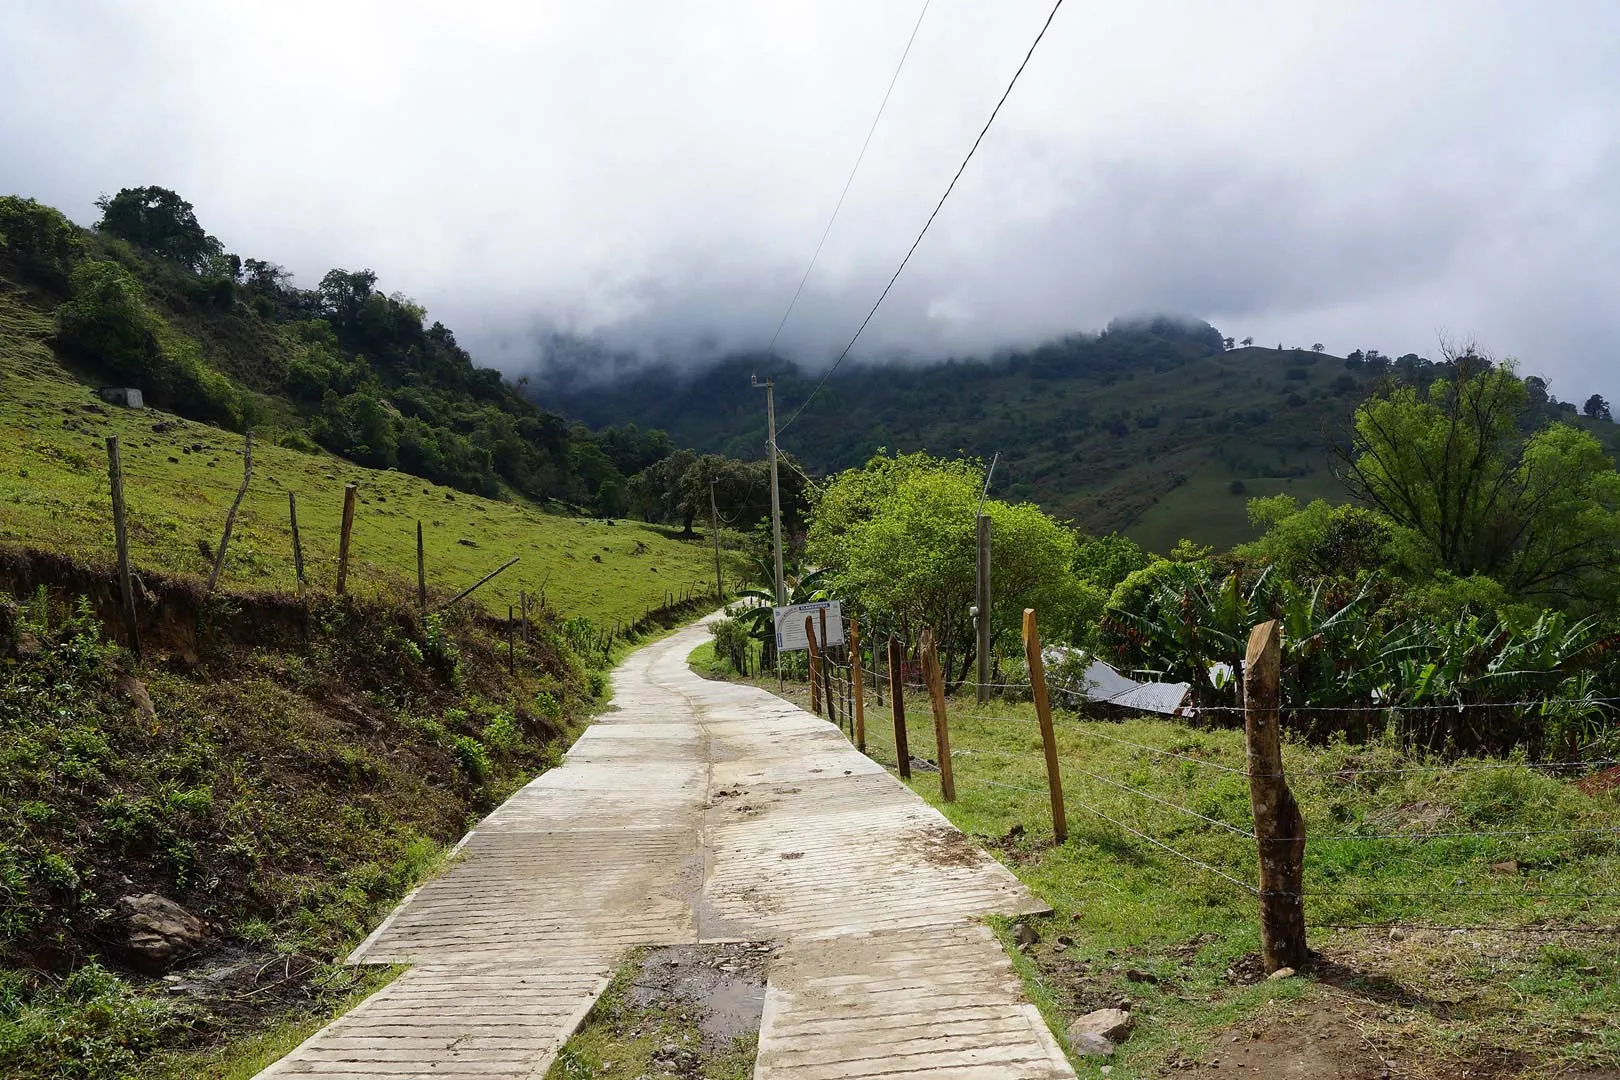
(1153, 429)
(181, 480)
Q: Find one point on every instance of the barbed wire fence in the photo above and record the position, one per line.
(311, 544)
(1265, 854)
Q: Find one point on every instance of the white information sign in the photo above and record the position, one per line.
(790, 625)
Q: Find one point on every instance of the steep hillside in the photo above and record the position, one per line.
(1154, 428)
(148, 299)
(182, 476)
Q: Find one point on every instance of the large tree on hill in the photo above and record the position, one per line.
(160, 221)
(1597, 408)
(1539, 514)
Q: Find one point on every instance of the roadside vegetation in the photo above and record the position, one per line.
(1449, 698)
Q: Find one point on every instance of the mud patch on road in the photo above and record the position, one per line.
(677, 1011)
(945, 845)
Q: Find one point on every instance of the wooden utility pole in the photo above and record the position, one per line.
(421, 570)
(858, 687)
(1043, 712)
(942, 732)
(298, 545)
(350, 493)
(126, 584)
(1278, 825)
(714, 528)
(815, 665)
(981, 619)
(897, 704)
(776, 496)
(230, 516)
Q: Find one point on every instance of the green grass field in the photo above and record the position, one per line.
(1135, 922)
(180, 482)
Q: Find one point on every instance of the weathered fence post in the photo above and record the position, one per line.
(1278, 826)
(421, 570)
(230, 516)
(935, 679)
(826, 658)
(815, 665)
(511, 641)
(1043, 712)
(298, 545)
(858, 687)
(126, 585)
(897, 701)
(350, 492)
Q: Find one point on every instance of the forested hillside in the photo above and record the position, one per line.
(149, 299)
(1160, 428)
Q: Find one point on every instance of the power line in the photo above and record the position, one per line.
(937, 208)
(856, 168)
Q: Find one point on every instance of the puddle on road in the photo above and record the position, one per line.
(675, 1011)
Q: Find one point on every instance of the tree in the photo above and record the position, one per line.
(1540, 515)
(1318, 347)
(1596, 408)
(38, 241)
(160, 221)
(1227, 343)
(898, 539)
(1246, 342)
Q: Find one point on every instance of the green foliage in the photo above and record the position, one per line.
(89, 1026)
(1105, 561)
(502, 733)
(898, 538)
(107, 324)
(1539, 514)
(1323, 540)
(160, 221)
(38, 243)
(732, 641)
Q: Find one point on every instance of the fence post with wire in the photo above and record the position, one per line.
(982, 755)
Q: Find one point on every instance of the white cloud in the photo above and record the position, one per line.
(1355, 173)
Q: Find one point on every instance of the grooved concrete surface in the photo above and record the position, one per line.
(696, 811)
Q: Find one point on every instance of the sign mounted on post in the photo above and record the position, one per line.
(790, 625)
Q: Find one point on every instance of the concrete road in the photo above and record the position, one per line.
(697, 811)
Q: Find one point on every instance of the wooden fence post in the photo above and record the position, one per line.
(126, 585)
(230, 516)
(815, 665)
(858, 687)
(942, 732)
(421, 570)
(1043, 712)
(298, 546)
(897, 704)
(827, 694)
(1278, 826)
(511, 641)
(350, 492)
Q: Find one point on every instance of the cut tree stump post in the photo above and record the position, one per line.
(857, 686)
(126, 584)
(942, 731)
(421, 570)
(1043, 712)
(815, 665)
(350, 493)
(298, 545)
(897, 705)
(230, 516)
(1278, 826)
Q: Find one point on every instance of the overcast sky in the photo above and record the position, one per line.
(1361, 174)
